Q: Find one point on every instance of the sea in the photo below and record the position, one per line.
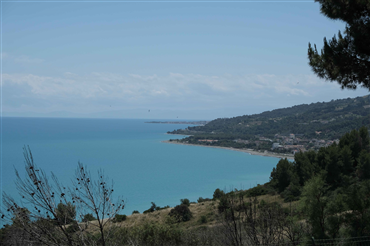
(131, 153)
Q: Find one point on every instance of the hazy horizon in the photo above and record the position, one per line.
(115, 115)
(178, 59)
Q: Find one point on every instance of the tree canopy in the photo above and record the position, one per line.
(346, 58)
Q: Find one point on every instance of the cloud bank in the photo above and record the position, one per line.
(96, 91)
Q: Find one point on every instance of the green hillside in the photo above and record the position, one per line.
(308, 122)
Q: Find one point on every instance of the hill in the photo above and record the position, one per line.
(299, 127)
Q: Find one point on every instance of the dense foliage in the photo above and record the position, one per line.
(333, 189)
(181, 213)
(339, 165)
(119, 218)
(330, 119)
(330, 182)
(88, 217)
(346, 58)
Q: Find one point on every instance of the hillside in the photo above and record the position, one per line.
(308, 126)
(321, 198)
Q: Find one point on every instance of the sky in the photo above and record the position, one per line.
(161, 59)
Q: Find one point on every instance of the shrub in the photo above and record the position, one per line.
(203, 219)
(218, 194)
(135, 212)
(185, 202)
(155, 208)
(201, 199)
(259, 190)
(73, 227)
(224, 204)
(181, 213)
(161, 208)
(119, 218)
(291, 193)
(66, 213)
(262, 203)
(151, 209)
(157, 235)
(88, 217)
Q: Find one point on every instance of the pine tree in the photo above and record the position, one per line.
(346, 58)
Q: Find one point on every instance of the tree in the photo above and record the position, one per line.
(347, 160)
(363, 168)
(88, 217)
(314, 204)
(218, 194)
(323, 213)
(346, 58)
(96, 197)
(358, 202)
(303, 167)
(52, 206)
(281, 176)
(66, 213)
(364, 134)
(152, 208)
(333, 167)
(258, 223)
(185, 201)
(181, 213)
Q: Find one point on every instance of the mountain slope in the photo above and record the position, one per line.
(322, 120)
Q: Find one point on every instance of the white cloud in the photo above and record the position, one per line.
(187, 91)
(69, 74)
(27, 59)
(50, 86)
(173, 85)
(21, 58)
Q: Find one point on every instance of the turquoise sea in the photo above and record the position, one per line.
(131, 153)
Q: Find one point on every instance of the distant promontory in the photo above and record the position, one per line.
(199, 123)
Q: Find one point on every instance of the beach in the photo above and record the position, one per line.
(249, 151)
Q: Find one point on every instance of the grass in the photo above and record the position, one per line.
(204, 214)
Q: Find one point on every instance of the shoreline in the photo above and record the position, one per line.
(249, 151)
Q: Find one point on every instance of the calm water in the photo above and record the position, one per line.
(130, 152)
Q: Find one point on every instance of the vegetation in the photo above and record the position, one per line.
(218, 194)
(57, 209)
(332, 190)
(119, 218)
(185, 202)
(153, 208)
(330, 182)
(88, 217)
(66, 213)
(326, 192)
(181, 213)
(339, 165)
(326, 196)
(201, 199)
(345, 58)
(318, 121)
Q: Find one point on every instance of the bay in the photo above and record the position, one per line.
(131, 153)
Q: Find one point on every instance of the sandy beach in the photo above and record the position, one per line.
(250, 151)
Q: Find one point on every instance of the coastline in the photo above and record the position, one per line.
(249, 151)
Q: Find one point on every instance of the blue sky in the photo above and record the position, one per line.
(188, 59)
